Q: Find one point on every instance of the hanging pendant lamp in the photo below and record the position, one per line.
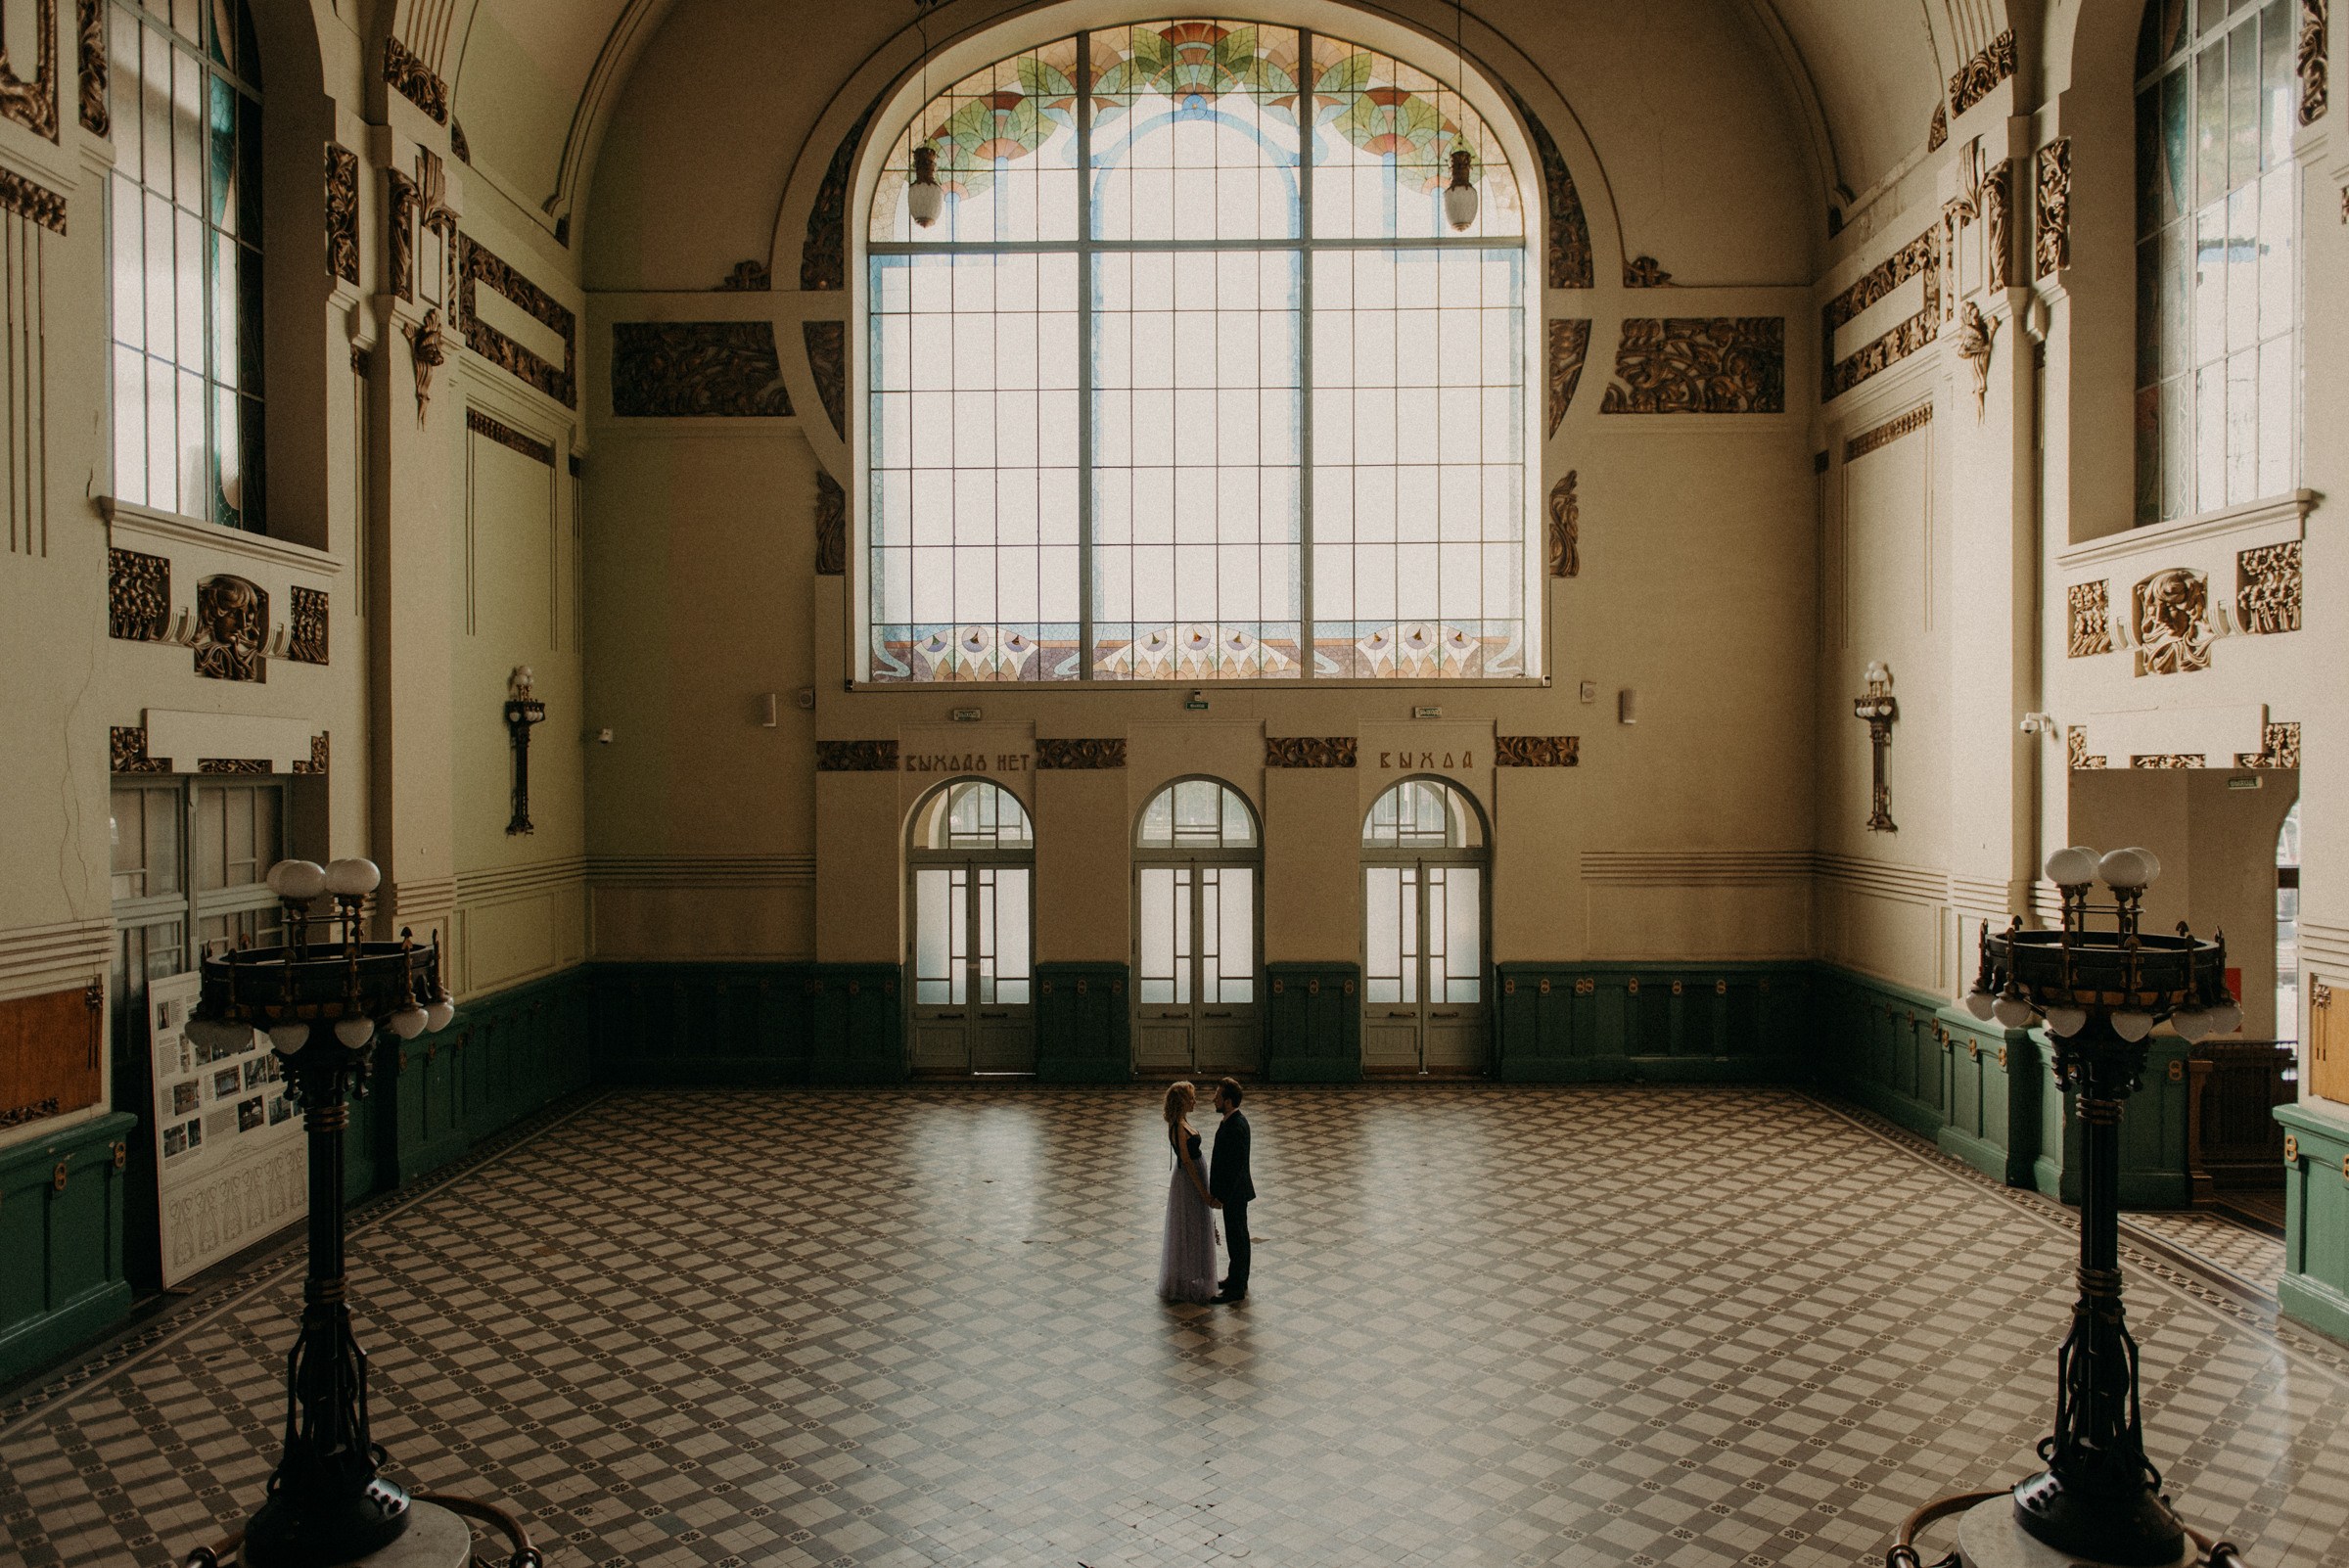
(1460, 198)
(925, 198)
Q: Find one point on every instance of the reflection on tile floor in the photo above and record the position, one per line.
(2239, 1250)
(915, 1327)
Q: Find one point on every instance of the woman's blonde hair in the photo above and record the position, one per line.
(1180, 1097)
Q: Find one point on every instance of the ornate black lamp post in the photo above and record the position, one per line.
(2100, 993)
(321, 1003)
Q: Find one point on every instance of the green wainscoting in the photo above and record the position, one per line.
(1083, 1023)
(1313, 1023)
(1653, 1023)
(2153, 1134)
(748, 1023)
(506, 1055)
(1994, 1081)
(2315, 1287)
(61, 1234)
(855, 1024)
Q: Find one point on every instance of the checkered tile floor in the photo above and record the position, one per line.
(916, 1329)
(2239, 1250)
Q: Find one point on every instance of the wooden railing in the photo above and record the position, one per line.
(2234, 1142)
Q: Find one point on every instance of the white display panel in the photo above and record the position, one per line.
(229, 1155)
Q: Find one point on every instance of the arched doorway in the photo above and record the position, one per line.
(1424, 859)
(972, 948)
(1197, 857)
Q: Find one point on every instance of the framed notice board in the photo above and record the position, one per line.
(50, 1053)
(229, 1155)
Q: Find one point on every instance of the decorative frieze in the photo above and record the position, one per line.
(413, 81)
(1309, 751)
(828, 362)
(2280, 745)
(1536, 751)
(399, 217)
(2051, 238)
(235, 764)
(32, 103)
(126, 748)
(1699, 365)
(477, 266)
(1080, 755)
(306, 639)
(2267, 594)
(1569, 347)
(1572, 264)
(1645, 272)
(831, 527)
(463, 149)
(824, 254)
(1884, 434)
(2314, 49)
(316, 765)
(1565, 529)
(857, 757)
(1920, 258)
(89, 18)
(2171, 618)
(29, 199)
(1996, 199)
(232, 624)
(2075, 746)
(2092, 620)
(747, 277)
(2165, 760)
(1938, 131)
(138, 595)
(508, 437)
(342, 214)
(697, 369)
(1975, 78)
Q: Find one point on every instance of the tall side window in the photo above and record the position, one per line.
(1190, 379)
(184, 254)
(2217, 283)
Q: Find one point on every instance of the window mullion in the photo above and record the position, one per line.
(1085, 303)
(1305, 356)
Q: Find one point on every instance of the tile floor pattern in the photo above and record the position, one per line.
(2239, 1250)
(914, 1328)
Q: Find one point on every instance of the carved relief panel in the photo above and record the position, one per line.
(232, 624)
(2091, 624)
(2267, 594)
(2172, 617)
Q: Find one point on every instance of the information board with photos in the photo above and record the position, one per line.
(229, 1158)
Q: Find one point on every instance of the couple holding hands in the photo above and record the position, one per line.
(1187, 1266)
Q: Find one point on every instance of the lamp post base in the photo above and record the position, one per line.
(2132, 1527)
(1991, 1535)
(342, 1528)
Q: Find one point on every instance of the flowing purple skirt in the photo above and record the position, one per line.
(1187, 1263)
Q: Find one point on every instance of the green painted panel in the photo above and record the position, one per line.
(2153, 1144)
(1313, 1023)
(1595, 1023)
(857, 1024)
(1083, 1023)
(2314, 1288)
(64, 1282)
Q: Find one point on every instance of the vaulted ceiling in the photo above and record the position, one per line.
(534, 81)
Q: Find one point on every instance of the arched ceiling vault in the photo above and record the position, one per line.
(534, 81)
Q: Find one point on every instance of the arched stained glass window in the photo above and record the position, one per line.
(184, 244)
(2217, 283)
(1187, 384)
(1197, 813)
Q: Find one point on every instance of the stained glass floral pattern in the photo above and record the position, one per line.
(1161, 397)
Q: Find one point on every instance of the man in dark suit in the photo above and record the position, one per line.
(1227, 1180)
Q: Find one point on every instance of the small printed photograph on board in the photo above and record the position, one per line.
(279, 1110)
(176, 1142)
(226, 1082)
(257, 1072)
(251, 1113)
(186, 1097)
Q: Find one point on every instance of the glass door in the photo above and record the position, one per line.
(1424, 1008)
(972, 959)
(1195, 933)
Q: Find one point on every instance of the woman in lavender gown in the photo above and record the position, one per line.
(1187, 1263)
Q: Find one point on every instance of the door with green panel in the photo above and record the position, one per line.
(1196, 910)
(972, 959)
(1424, 1006)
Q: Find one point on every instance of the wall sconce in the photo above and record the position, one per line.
(1880, 707)
(522, 710)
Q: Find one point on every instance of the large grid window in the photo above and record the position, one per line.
(184, 235)
(1186, 385)
(2217, 375)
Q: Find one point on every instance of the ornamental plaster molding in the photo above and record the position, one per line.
(2091, 609)
(31, 102)
(856, 756)
(415, 81)
(126, 750)
(2279, 748)
(232, 624)
(828, 362)
(1309, 751)
(30, 198)
(1884, 434)
(306, 619)
(831, 527)
(129, 520)
(1570, 260)
(2286, 515)
(2171, 621)
(138, 595)
(506, 436)
(1699, 365)
(2051, 237)
(2267, 594)
(1536, 751)
(1073, 754)
(2167, 759)
(1996, 198)
(1565, 529)
(697, 369)
(89, 18)
(478, 265)
(824, 254)
(1920, 258)
(342, 214)
(2315, 50)
(1974, 80)
(1569, 348)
